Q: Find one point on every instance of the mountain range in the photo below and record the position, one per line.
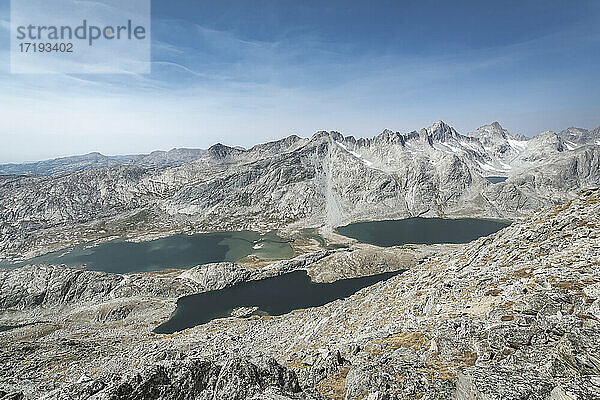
(96, 160)
(490, 148)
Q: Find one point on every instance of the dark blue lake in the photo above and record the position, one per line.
(421, 230)
(273, 296)
(496, 179)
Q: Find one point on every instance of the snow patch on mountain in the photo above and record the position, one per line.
(355, 154)
(519, 145)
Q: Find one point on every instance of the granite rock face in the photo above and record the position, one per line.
(192, 379)
(57, 286)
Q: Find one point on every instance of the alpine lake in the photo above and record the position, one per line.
(273, 296)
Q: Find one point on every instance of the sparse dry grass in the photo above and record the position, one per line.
(593, 199)
(334, 386)
(586, 316)
(166, 273)
(445, 369)
(415, 340)
(493, 292)
(558, 209)
(508, 305)
(524, 272)
(570, 285)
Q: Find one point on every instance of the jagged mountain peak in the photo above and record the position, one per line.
(519, 136)
(575, 129)
(440, 126)
(499, 141)
(282, 145)
(548, 140)
(574, 137)
(495, 126)
(439, 131)
(493, 129)
(335, 135)
(220, 150)
(389, 136)
(546, 134)
(573, 132)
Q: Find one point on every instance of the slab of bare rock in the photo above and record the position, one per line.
(242, 312)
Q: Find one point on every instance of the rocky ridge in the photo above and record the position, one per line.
(96, 160)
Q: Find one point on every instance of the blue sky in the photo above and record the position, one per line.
(243, 72)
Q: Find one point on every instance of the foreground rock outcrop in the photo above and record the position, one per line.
(235, 379)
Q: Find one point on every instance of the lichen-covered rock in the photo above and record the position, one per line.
(191, 379)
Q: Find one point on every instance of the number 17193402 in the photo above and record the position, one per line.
(46, 47)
